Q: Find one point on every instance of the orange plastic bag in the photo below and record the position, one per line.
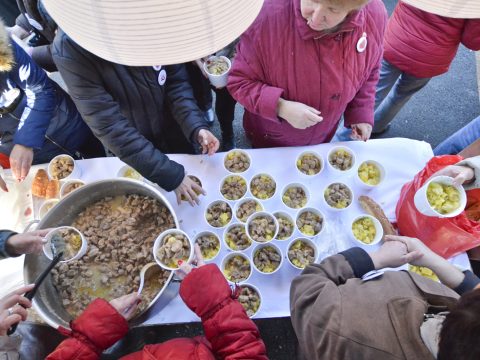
(446, 236)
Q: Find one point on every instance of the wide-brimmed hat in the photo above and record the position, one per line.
(462, 9)
(153, 32)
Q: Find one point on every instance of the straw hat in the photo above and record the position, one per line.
(153, 32)
(462, 9)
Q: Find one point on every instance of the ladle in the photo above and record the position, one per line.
(147, 271)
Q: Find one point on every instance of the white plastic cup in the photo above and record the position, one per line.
(334, 209)
(316, 212)
(282, 214)
(423, 206)
(257, 215)
(227, 257)
(158, 243)
(210, 233)
(230, 176)
(228, 228)
(307, 241)
(261, 246)
(259, 296)
(335, 149)
(271, 178)
(313, 153)
(48, 251)
(233, 151)
(46, 207)
(243, 201)
(121, 173)
(366, 186)
(219, 81)
(68, 183)
(307, 194)
(215, 203)
(76, 172)
(378, 230)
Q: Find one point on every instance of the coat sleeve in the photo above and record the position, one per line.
(247, 80)
(227, 327)
(41, 103)
(4, 236)
(102, 114)
(471, 34)
(182, 104)
(315, 300)
(96, 329)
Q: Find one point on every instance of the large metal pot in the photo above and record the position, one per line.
(47, 301)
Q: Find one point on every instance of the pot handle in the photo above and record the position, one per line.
(30, 224)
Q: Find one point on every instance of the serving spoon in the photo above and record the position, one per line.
(145, 273)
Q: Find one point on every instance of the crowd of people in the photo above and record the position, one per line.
(299, 69)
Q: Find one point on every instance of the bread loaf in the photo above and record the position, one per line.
(53, 189)
(40, 183)
(372, 208)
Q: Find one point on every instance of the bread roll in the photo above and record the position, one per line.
(53, 189)
(40, 183)
(372, 208)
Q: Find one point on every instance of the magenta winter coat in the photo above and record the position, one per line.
(280, 56)
(423, 44)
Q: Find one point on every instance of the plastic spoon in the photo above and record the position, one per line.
(146, 273)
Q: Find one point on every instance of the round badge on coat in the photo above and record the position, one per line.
(362, 43)
(162, 77)
(157, 67)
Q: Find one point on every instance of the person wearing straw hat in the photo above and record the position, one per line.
(303, 64)
(115, 59)
(421, 41)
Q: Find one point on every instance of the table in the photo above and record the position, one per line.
(402, 159)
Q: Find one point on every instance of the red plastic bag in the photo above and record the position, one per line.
(446, 236)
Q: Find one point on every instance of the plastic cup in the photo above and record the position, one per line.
(230, 227)
(67, 184)
(423, 206)
(128, 172)
(378, 230)
(230, 256)
(313, 153)
(303, 187)
(333, 151)
(363, 184)
(217, 202)
(47, 247)
(46, 207)
(224, 181)
(256, 216)
(221, 80)
(283, 215)
(75, 174)
(231, 154)
(257, 196)
(254, 288)
(316, 212)
(261, 246)
(209, 233)
(158, 242)
(334, 209)
(309, 243)
(243, 201)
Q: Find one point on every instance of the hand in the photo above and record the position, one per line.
(185, 269)
(13, 308)
(189, 189)
(393, 254)
(3, 185)
(208, 141)
(361, 131)
(126, 305)
(460, 174)
(27, 243)
(423, 255)
(21, 158)
(299, 115)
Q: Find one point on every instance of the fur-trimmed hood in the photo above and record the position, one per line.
(6, 52)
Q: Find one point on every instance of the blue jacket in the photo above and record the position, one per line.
(46, 119)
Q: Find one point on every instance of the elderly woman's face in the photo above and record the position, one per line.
(322, 14)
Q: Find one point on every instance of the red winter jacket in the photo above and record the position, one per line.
(229, 333)
(281, 56)
(423, 44)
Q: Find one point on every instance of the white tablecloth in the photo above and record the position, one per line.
(402, 159)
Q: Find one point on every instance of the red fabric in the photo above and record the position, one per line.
(280, 56)
(446, 236)
(230, 334)
(424, 44)
(4, 161)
